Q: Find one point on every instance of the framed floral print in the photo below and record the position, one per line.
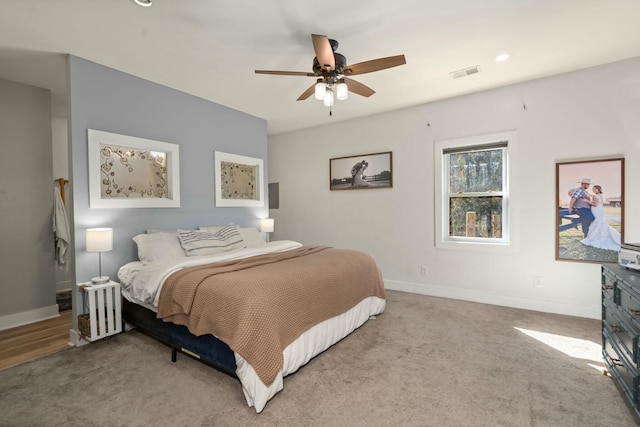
(131, 172)
(239, 180)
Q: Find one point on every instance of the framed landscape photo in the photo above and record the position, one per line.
(364, 171)
(239, 180)
(589, 210)
(131, 172)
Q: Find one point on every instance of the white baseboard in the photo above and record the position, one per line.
(26, 317)
(473, 295)
(66, 285)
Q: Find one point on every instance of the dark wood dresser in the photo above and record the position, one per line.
(621, 330)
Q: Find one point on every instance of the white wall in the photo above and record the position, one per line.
(583, 115)
(60, 142)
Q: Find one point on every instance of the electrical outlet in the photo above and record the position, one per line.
(537, 282)
(424, 270)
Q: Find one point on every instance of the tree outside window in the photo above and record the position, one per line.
(475, 192)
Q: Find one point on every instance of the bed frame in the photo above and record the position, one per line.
(206, 348)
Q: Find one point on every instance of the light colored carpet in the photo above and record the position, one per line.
(424, 362)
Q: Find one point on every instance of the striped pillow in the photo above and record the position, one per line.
(204, 243)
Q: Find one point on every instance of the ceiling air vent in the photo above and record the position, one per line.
(465, 72)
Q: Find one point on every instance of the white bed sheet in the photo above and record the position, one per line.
(141, 284)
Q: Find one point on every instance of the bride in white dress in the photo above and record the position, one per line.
(601, 235)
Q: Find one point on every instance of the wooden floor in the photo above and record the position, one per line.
(28, 342)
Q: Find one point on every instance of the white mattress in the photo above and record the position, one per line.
(141, 284)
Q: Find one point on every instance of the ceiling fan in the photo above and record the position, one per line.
(332, 72)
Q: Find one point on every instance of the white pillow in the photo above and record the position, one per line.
(160, 230)
(213, 228)
(252, 237)
(204, 243)
(157, 246)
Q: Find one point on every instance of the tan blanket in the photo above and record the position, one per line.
(260, 305)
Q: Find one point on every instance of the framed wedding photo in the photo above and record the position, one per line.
(364, 171)
(589, 210)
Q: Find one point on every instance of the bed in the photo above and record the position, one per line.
(253, 309)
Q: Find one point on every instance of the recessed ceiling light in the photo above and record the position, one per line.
(143, 3)
(502, 57)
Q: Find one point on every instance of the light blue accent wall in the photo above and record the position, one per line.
(105, 99)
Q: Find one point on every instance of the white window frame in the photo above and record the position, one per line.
(508, 242)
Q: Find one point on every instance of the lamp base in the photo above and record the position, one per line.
(100, 280)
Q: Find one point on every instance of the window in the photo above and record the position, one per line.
(475, 191)
(474, 202)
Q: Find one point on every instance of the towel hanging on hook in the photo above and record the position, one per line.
(61, 230)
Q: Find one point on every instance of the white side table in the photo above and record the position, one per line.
(101, 305)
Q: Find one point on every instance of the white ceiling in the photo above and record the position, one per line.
(210, 48)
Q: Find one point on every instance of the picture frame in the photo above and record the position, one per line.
(239, 180)
(362, 171)
(586, 233)
(131, 172)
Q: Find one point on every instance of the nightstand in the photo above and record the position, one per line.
(101, 305)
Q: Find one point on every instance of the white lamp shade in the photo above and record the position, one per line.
(266, 225)
(328, 98)
(320, 90)
(99, 239)
(342, 91)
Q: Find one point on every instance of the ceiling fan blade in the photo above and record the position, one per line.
(374, 65)
(324, 53)
(286, 73)
(307, 93)
(358, 88)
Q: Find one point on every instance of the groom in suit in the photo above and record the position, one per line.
(356, 173)
(581, 206)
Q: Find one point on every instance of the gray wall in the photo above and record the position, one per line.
(26, 203)
(104, 99)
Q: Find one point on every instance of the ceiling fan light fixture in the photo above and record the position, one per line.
(332, 72)
(342, 91)
(143, 3)
(328, 98)
(320, 90)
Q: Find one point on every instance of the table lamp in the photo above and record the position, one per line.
(99, 240)
(266, 226)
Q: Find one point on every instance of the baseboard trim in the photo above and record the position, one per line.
(473, 295)
(26, 317)
(67, 285)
